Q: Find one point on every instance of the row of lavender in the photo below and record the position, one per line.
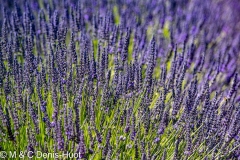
(136, 79)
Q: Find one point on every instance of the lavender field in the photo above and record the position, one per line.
(120, 79)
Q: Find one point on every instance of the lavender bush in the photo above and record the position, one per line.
(125, 79)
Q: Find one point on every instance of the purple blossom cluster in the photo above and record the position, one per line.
(140, 79)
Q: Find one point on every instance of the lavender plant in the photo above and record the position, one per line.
(136, 79)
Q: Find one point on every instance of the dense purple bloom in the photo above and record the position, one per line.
(121, 79)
